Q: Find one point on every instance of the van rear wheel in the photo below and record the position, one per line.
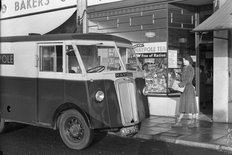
(74, 130)
(2, 124)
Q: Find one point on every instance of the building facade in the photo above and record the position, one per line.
(162, 32)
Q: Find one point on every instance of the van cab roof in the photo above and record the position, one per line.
(66, 36)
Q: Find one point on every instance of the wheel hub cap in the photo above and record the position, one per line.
(74, 129)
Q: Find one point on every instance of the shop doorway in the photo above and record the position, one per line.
(206, 74)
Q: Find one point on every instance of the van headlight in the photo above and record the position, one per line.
(145, 92)
(99, 96)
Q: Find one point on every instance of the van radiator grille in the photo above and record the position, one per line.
(128, 102)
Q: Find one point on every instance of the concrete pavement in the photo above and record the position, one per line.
(207, 134)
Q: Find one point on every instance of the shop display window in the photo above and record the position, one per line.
(156, 79)
(165, 69)
(175, 76)
(161, 78)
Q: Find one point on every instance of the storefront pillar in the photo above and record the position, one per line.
(221, 77)
(81, 16)
(230, 76)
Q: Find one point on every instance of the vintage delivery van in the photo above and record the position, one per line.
(74, 83)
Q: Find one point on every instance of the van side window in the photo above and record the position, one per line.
(51, 58)
(72, 62)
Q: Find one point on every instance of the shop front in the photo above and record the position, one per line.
(162, 34)
(219, 25)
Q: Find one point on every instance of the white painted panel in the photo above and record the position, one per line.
(24, 59)
(163, 106)
(221, 78)
(98, 2)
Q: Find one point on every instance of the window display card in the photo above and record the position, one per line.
(172, 59)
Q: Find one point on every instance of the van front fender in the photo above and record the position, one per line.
(68, 106)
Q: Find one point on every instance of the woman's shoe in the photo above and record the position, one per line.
(178, 124)
(193, 124)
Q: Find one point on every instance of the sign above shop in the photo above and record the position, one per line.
(16, 8)
(21, 17)
(97, 2)
(154, 47)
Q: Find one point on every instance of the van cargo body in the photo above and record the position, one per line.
(74, 83)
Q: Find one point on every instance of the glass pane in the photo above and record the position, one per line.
(175, 73)
(99, 58)
(51, 59)
(156, 75)
(72, 63)
(129, 58)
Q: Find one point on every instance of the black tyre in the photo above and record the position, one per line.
(2, 124)
(74, 130)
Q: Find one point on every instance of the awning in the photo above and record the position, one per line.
(219, 20)
(24, 17)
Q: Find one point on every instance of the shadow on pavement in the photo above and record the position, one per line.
(98, 136)
(146, 147)
(10, 127)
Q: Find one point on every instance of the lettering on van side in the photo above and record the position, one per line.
(7, 59)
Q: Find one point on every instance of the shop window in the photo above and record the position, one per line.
(164, 73)
(175, 67)
(156, 81)
(51, 58)
(154, 56)
(164, 67)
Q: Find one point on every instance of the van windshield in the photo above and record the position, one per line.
(106, 58)
(99, 58)
(129, 58)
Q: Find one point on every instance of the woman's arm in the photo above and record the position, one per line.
(187, 77)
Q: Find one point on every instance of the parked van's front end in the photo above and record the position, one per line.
(115, 85)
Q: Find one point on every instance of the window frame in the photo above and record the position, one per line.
(67, 61)
(55, 47)
(50, 74)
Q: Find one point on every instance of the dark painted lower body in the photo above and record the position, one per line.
(39, 101)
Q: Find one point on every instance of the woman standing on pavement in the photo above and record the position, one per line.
(188, 97)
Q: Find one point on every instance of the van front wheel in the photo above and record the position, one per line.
(74, 130)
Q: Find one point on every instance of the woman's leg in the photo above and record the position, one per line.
(180, 117)
(178, 120)
(193, 121)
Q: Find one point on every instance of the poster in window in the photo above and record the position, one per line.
(172, 59)
(155, 55)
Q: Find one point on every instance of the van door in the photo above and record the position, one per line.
(50, 80)
(75, 89)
